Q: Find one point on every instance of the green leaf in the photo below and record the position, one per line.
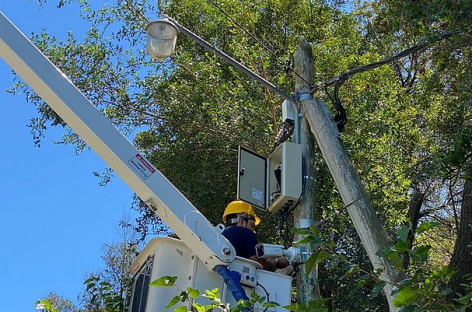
(306, 240)
(384, 251)
(242, 304)
(377, 288)
(181, 309)
(183, 296)
(402, 246)
(310, 263)
(193, 293)
(331, 243)
(465, 299)
(318, 305)
(361, 283)
(409, 309)
(315, 259)
(353, 269)
(173, 301)
(425, 226)
(301, 231)
(402, 233)
(405, 296)
(89, 286)
(91, 279)
(199, 307)
(164, 281)
(363, 280)
(270, 304)
(256, 298)
(314, 230)
(420, 253)
(213, 294)
(365, 277)
(448, 272)
(468, 276)
(281, 80)
(295, 307)
(43, 304)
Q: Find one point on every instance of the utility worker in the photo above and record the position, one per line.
(240, 221)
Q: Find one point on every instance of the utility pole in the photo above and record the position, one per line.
(352, 191)
(307, 284)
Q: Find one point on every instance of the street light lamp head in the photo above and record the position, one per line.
(161, 38)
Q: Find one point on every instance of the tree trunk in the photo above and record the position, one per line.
(413, 217)
(461, 259)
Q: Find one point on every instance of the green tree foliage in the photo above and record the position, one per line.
(408, 134)
(189, 295)
(107, 289)
(55, 303)
(110, 288)
(433, 89)
(190, 112)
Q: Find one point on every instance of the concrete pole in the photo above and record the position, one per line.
(352, 191)
(307, 285)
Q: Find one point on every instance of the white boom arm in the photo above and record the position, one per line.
(98, 132)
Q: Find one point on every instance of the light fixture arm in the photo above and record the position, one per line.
(230, 60)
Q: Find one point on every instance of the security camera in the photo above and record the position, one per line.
(269, 251)
(273, 251)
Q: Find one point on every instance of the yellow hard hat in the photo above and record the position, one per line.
(240, 207)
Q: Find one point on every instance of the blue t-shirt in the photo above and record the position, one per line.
(243, 240)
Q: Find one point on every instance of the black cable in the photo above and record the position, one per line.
(286, 211)
(243, 29)
(267, 294)
(282, 218)
(285, 132)
(340, 118)
(342, 78)
(303, 186)
(335, 80)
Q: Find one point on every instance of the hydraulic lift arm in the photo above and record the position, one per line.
(98, 132)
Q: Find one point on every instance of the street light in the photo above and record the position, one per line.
(161, 38)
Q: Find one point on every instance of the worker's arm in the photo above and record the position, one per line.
(271, 264)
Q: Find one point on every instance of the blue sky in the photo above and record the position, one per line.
(54, 217)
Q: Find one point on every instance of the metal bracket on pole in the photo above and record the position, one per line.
(300, 95)
(304, 223)
(303, 94)
(291, 110)
(304, 255)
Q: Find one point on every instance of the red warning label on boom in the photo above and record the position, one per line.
(141, 166)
